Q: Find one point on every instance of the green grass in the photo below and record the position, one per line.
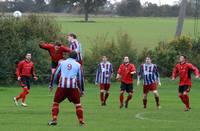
(144, 32)
(170, 117)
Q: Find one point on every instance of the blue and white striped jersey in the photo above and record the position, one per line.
(70, 74)
(150, 73)
(103, 74)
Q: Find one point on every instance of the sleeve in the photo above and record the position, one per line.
(66, 49)
(156, 72)
(194, 69)
(111, 68)
(46, 46)
(33, 71)
(175, 72)
(133, 69)
(98, 73)
(55, 75)
(19, 68)
(79, 77)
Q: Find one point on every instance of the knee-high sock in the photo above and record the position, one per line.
(145, 103)
(26, 92)
(55, 111)
(21, 95)
(121, 98)
(186, 100)
(128, 98)
(157, 99)
(106, 96)
(79, 113)
(102, 96)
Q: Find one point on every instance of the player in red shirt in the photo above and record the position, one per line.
(184, 70)
(56, 52)
(125, 73)
(24, 70)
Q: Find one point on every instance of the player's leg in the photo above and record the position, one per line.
(23, 84)
(129, 90)
(74, 96)
(121, 96)
(107, 92)
(183, 95)
(60, 95)
(157, 98)
(145, 94)
(102, 87)
(186, 98)
(153, 88)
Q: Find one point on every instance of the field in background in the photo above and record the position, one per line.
(110, 118)
(144, 32)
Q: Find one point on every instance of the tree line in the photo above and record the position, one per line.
(123, 8)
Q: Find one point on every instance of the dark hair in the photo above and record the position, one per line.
(184, 56)
(72, 35)
(73, 55)
(57, 43)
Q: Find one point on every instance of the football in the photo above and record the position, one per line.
(17, 14)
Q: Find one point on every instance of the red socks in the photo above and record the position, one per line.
(55, 111)
(79, 113)
(102, 97)
(23, 95)
(185, 100)
(106, 97)
(145, 103)
(128, 98)
(121, 98)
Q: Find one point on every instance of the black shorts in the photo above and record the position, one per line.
(54, 64)
(126, 87)
(183, 88)
(25, 82)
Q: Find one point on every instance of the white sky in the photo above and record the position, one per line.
(162, 2)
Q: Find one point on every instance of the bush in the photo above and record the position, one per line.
(19, 36)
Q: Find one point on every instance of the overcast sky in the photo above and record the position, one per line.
(170, 2)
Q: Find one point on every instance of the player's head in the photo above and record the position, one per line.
(28, 56)
(104, 58)
(148, 60)
(73, 55)
(126, 59)
(182, 58)
(57, 45)
(71, 36)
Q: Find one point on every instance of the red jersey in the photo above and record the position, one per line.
(184, 71)
(125, 72)
(55, 55)
(25, 68)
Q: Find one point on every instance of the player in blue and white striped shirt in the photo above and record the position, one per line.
(103, 78)
(69, 86)
(150, 74)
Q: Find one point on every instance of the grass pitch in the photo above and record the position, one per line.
(170, 117)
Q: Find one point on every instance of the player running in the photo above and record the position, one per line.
(103, 78)
(69, 87)
(125, 73)
(184, 70)
(56, 52)
(150, 74)
(23, 71)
